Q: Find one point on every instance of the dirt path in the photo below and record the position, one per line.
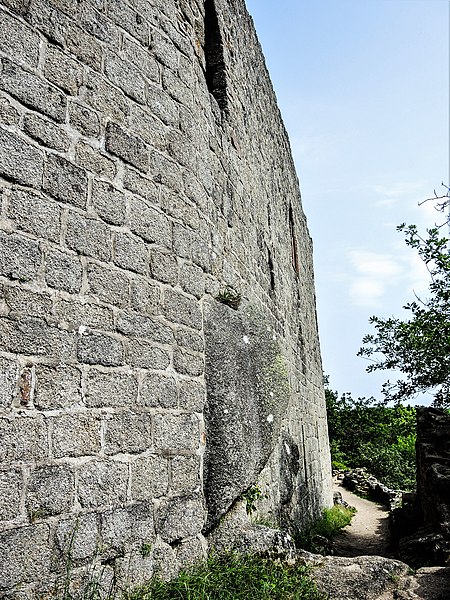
(368, 578)
(368, 533)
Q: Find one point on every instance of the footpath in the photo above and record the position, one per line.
(363, 557)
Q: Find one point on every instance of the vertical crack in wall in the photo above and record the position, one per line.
(293, 241)
(214, 57)
(271, 270)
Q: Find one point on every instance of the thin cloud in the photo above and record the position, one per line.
(375, 275)
(396, 193)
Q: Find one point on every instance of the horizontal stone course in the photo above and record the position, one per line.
(32, 91)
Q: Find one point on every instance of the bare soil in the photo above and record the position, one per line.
(368, 533)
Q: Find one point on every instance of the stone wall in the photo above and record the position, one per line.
(145, 172)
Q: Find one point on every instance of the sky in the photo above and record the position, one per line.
(363, 87)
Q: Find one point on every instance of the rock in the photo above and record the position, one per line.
(360, 578)
(236, 532)
(247, 398)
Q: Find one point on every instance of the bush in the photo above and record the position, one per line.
(325, 529)
(380, 438)
(234, 577)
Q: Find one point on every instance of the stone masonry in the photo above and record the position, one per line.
(146, 180)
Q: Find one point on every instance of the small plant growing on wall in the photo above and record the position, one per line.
(230, 297)
(251, 496)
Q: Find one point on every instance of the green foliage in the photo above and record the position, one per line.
(332, 521)
(146, 549)
(251, 496)
(234, 577)
(375, 436)
(230, 297)
(418, 346)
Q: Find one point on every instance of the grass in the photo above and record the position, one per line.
(332, 521)
(234, 577)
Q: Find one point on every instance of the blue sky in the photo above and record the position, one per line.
(363, 86)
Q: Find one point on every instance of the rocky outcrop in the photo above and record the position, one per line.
(433, 469)
(422, 524)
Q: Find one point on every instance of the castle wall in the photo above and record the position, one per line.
(145, 172)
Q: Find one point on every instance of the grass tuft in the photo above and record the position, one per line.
(234, 577)
(326, 528)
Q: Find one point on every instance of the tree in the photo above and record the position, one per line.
(364, 433)
(419, 347)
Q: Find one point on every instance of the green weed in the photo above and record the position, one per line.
(234, 577)
(230, 297)
(325, 529)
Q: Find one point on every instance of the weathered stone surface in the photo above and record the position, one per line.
(33, 336)
(18, 41)
(189, 314)
(128, 432)
(159, 390)
(65, 181)
(144, 354)
(108, 285)
(102, 483)
(149, 477)
(46, 133)
(63, 271)
(8, 379)
(32, 91)
(76, 435)
(62, 70)
(24, 556)
(10, 494)
(57, 387)
(84, 119)
(138, 186)
(366, 577)
(94, 160)
(423, 524)
(150, 224)
(178, 518)
(176, 433)
(118, 390)
(35, 214)
(23, 303)
(88, 236)
(185, 474)
(248, 392)
(124, 527)
(20, 161)
(99, 349)
(109, 203)
(78, 538)
(128, 147)
(23, 439)
(50, 491)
